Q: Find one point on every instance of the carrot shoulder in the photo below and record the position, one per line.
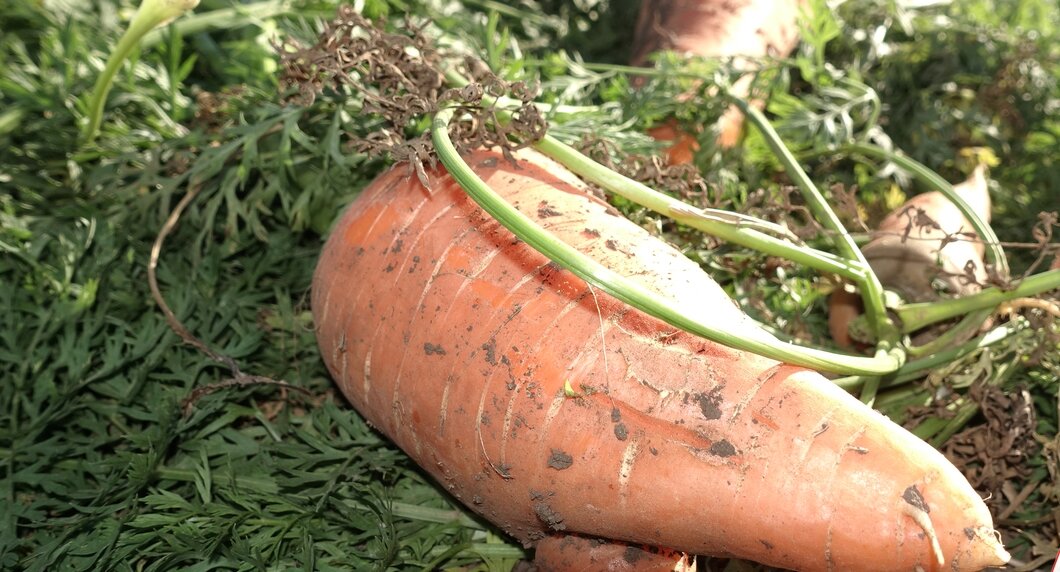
(457, 341)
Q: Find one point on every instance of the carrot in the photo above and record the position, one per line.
(683, 149)
(923, 244)
(715, 28)
(910, 260)
(843, 308)
(572, 552)
(552, 409)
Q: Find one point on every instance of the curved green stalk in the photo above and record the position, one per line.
(870, 287)
(151, 14)
(915, 368)
(732, 227)
(871, 385)
(748, 339)
(227, 18)
(967, 326)
(916, 316)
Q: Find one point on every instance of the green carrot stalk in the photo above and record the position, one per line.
(748, 339)
(150, 15)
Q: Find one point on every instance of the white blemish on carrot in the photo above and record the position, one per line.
(603, 341)
(441, 259)
(339, 350)
(407, 250)
(368, 371)
(326, 309)
(444, 407)
(759, 383)
(553, 409)
(345, 365)
(506, 432)
(626, 468)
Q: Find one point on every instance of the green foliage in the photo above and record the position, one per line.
(103, 467)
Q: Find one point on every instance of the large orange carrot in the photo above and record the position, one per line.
(550, 408)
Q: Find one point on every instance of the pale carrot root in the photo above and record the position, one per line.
(911, 254)
(673, 440)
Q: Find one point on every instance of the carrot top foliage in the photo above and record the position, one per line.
(105, 465)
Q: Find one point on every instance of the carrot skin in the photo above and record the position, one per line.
(571, 552)
(456, 340)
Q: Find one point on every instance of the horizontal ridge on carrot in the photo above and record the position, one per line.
(552, 409)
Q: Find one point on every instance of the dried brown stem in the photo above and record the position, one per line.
(238, 379)
(399, 78)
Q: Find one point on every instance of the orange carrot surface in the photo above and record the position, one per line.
(550, 408)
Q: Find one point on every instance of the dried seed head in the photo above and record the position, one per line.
(400, 78)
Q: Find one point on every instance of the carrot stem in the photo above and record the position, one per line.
(732, 227)
(228, 18)
(747, 338)
(916, 316)
(150, 15)
(915, 368)
(869, 285)
(869, 389)
(964, 328)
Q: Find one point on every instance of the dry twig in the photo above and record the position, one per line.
(239, 378)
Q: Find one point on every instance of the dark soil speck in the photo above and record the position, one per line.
(722, 448)
(433, 349)
(912, 496)
(710, 404)
(550, 517)
(491, 351)
(559, 460)
(544, 210)
(633, 554)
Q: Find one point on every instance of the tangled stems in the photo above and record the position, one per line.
(759, 341)
(150, 15)
(869, 285)
(915, 368)
(916, 316)
(737, 228)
